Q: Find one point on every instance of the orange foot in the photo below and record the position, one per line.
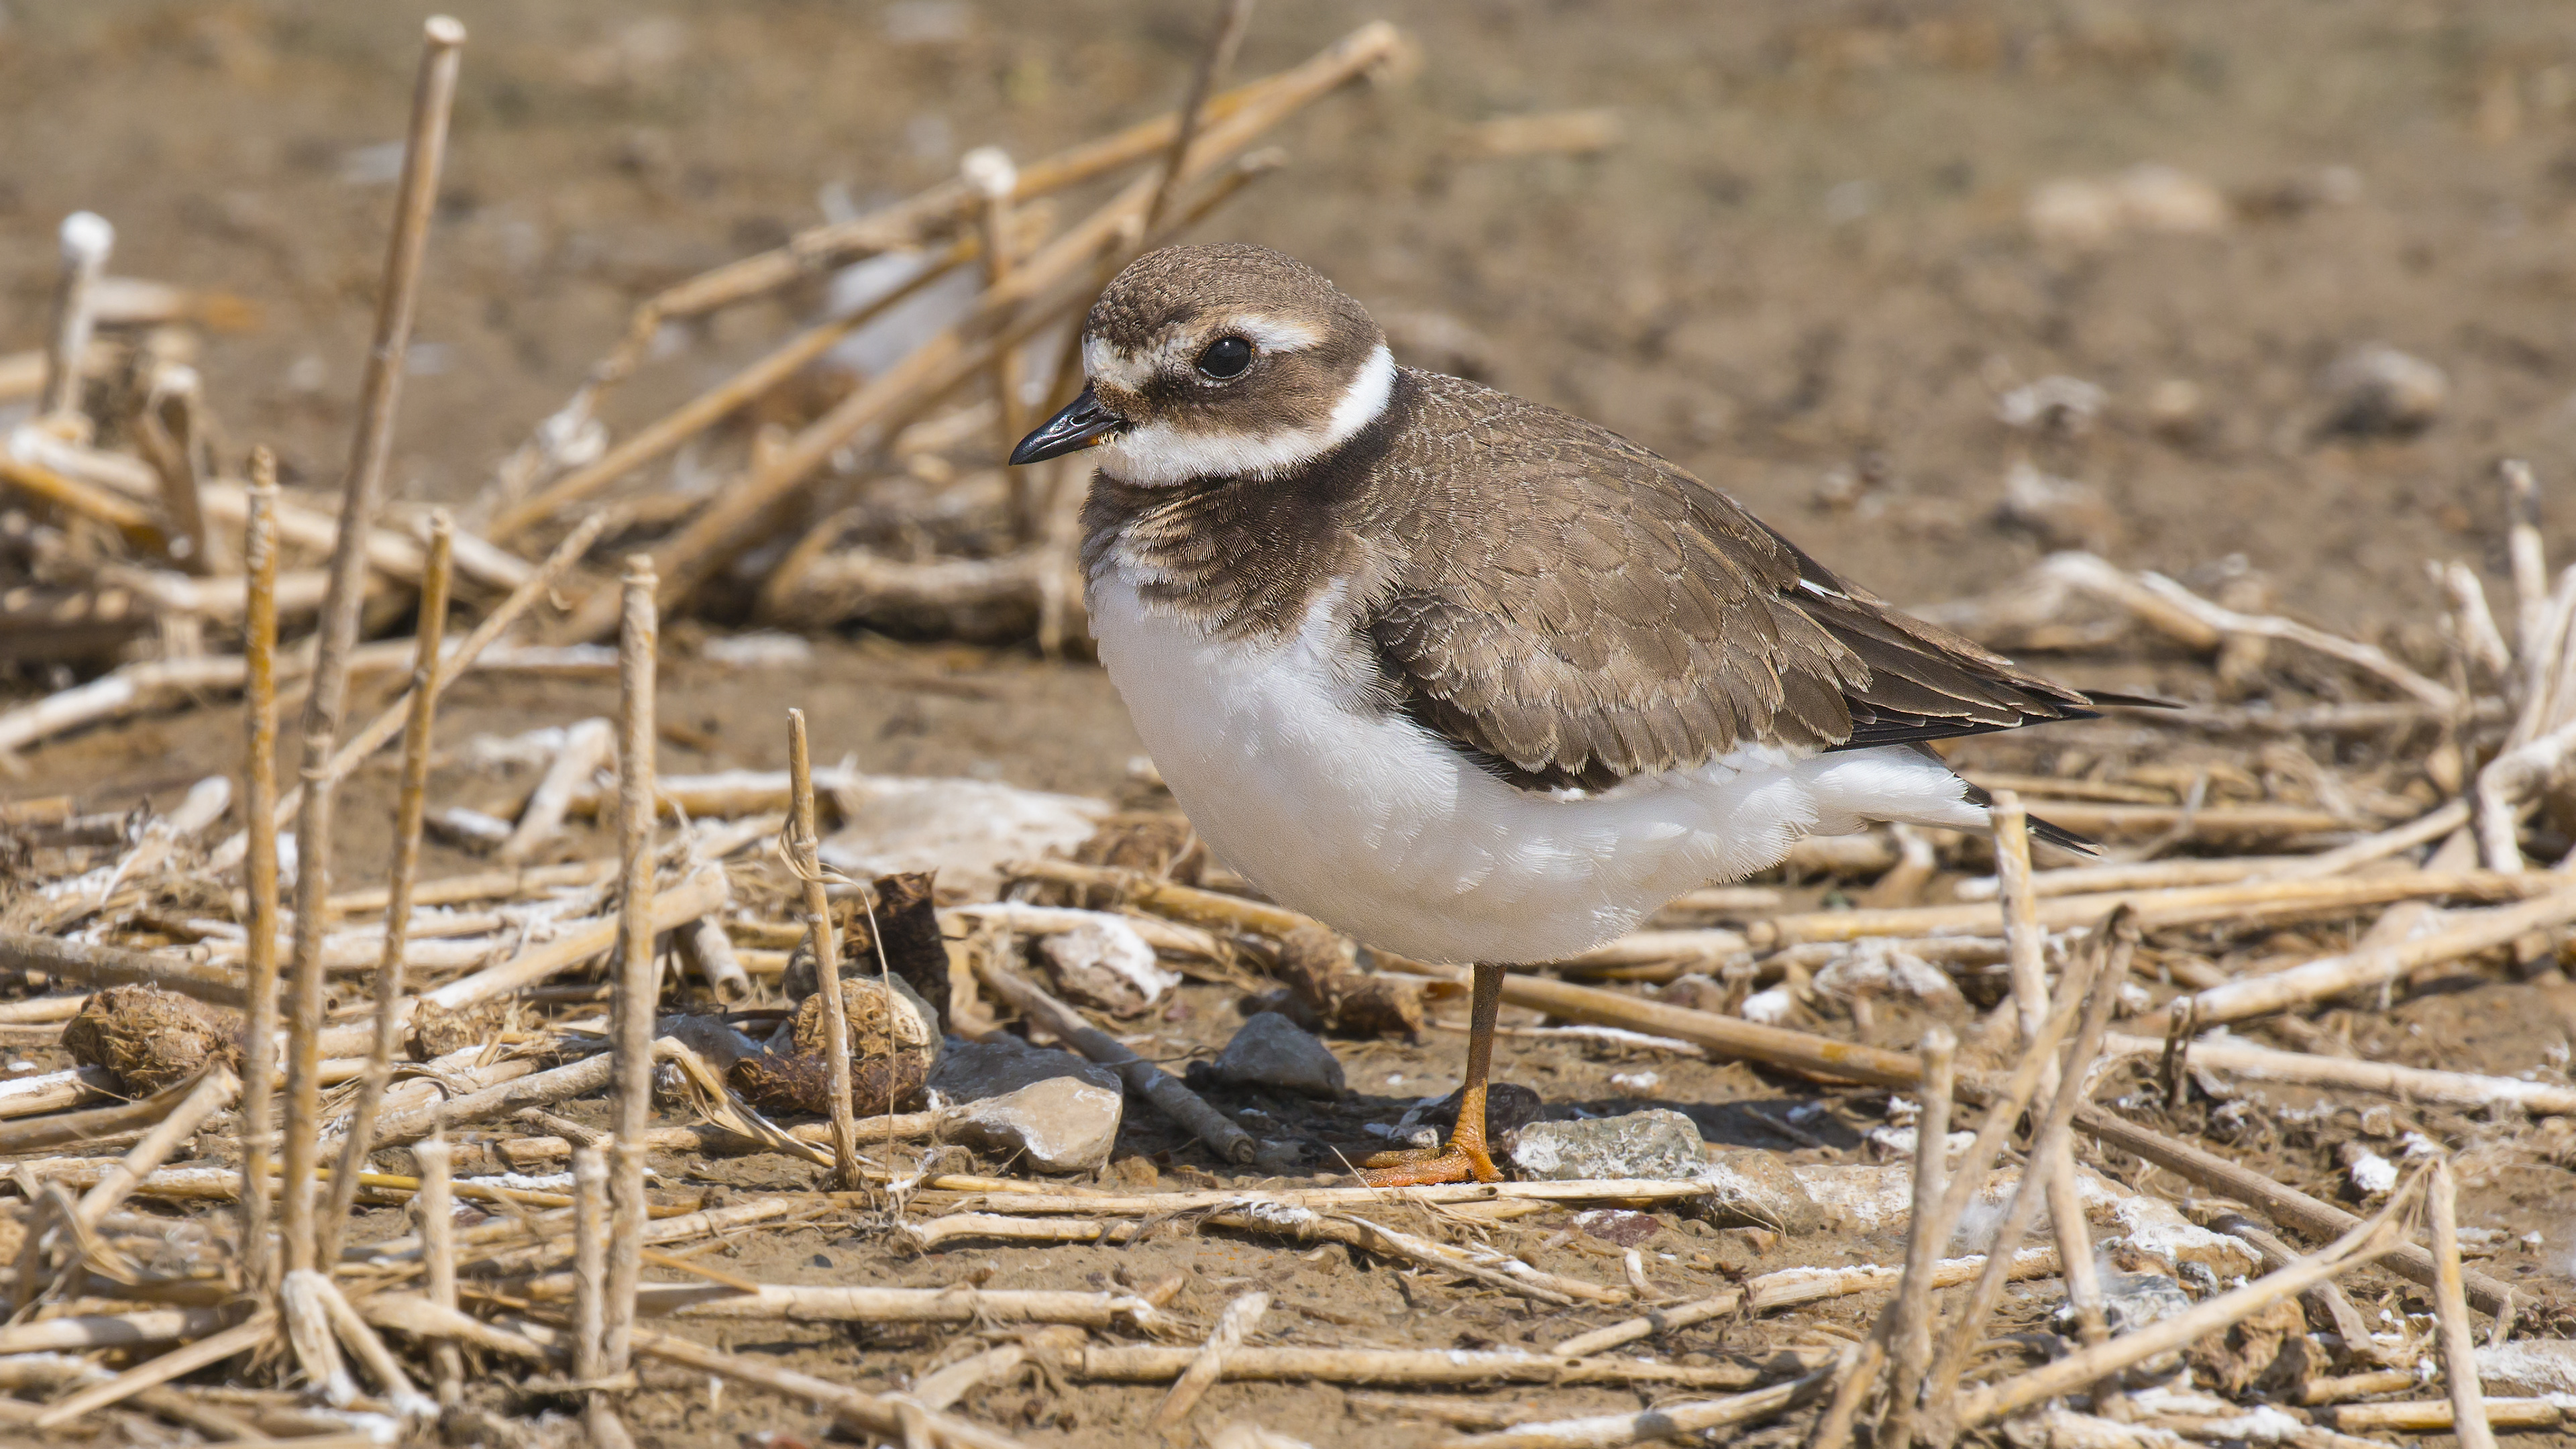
(1465, 1161)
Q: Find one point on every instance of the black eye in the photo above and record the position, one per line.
(1225, 357)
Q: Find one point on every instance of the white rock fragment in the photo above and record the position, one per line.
(1103, 962)
(1770, 1006)
(1061, 1124)
(2377, 389)
(2057, 404)
(2087, 212)
(1873, 969)
(761, 649)
(2372, 1174)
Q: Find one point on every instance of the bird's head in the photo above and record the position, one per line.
(1218, 362)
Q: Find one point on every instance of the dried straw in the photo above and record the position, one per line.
(410, 807)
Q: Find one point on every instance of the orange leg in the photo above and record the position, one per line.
(1466, 1159)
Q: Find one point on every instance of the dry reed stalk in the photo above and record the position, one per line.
(1725, 1035)
(635, 1006)
(171, 433)
(990, 176)
(74, 496)
(1058, 278)
(1214, 62)
(1169, 1095)
(486, 885)
(1646, 1426)
(587, 746)
(1792, 1286)
(435, 1211)
(1489, 1268)
(215, 1090)
(2406, 1084)
(353, 1332)
(89, 1128)
(85, 239)
(2325, 1302)
(1429, 1368)
(943, 1387)
(53, 1091)
(254, 1332)
(1240, 1317)
(2365, 1244)
(894, 1127)
(2459, 1352)
(704, 891)
(2433, 1416)
(315, 1348)
(2237, 904)
(115, 966)
(910, 223)
(805, 858)
(1006, 1195)
(1967, 1330)
(410, 806)
(2283, 1204)
(1906, 1328)
(2337, 1390)
(878, 1414)
(433, 97)
(1851, 1377)
(667, 433)
(537, 1089)
(259, 874)
(590, 1264)
(83, 1331)
(705, 942)
(736, 1300)
(388, 722)
(2330, 976)
(2027, 946)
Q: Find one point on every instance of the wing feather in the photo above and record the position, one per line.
(1596, 613)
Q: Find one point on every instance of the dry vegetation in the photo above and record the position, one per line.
(2195, 1095)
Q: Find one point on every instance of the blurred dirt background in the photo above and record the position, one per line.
(1810, 267)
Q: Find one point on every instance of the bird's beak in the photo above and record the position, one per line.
(1084, 423)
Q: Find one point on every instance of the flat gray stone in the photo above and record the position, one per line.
(1060, 1124)
(1659, 1143)
(1272, 1051)
(1753, 1188)
(970, 1071)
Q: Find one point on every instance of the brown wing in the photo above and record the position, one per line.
(1661, 626)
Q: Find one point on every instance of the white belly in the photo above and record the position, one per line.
(1339, 808)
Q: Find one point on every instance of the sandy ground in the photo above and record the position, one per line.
(1805, 273)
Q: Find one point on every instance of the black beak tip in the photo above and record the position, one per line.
(1082, 423)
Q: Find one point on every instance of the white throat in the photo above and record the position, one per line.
(1159, 456)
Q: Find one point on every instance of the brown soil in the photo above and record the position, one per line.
(1807, 257)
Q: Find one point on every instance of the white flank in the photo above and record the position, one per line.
(1158, 455)
(1341, 809)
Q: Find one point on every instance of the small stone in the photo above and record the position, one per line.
(1103, 962)
(1060, 1124)
(1760, 1191)
(1661, 1144)
(971, 1071)
(2131, 1301)
(1272, 1051)
(2378, 389)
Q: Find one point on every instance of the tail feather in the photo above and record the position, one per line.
(2050, 831)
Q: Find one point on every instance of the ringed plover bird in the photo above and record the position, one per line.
(1459, 675)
